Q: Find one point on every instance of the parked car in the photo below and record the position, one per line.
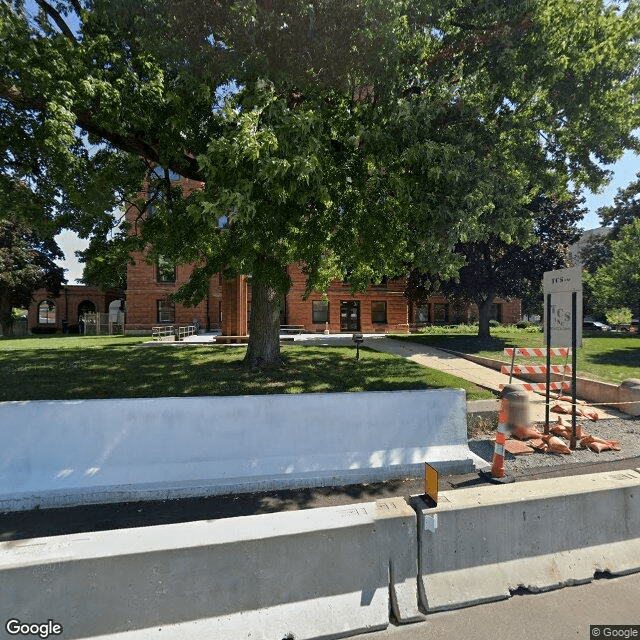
(594, 325)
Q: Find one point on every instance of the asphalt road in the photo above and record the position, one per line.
(54, 522)
(555, 615)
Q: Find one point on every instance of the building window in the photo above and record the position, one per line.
(166, 312)
(379, 311)
(441, 313)
(496, 312)
(166, 270)
(46, 312)
(422, 314)
(320, 310)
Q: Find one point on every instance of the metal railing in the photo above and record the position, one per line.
(184, 332)
(157, 333)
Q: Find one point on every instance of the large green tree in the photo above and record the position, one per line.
(617, 284)
(596, 250)
(356, 137)
(513, 266)
(28, 251)
(106, 258)
(624, 210)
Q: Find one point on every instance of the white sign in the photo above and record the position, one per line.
(561, 284)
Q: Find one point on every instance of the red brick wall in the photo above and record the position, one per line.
(299, 311)
(510, 311)
(68, 301)
(144, 290)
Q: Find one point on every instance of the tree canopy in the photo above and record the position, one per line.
(617, 284)
(356, 137)
(494, 267)
(28, 251)
(624, 210)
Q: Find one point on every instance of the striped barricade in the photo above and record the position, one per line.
(541, 386)
(530, 368)
(537, 352)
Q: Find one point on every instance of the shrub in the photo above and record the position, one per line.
(523, 324)
(619, 316)
(494, 323)
(43, 329)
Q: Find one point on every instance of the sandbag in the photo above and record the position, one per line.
(525, 433)
(556, 445)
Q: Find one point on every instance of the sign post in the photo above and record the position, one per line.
(563, 327)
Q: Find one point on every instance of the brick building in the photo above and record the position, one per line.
(47, 312)
(227, 305)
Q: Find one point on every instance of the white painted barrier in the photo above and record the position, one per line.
(319, 573)
(62, 453)
(481, 544)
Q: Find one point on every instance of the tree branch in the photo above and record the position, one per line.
(57, 18)
(133, 142)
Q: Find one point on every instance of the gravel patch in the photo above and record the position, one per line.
(625, 430)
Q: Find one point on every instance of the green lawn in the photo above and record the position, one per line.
(57, 367)
(610, 357)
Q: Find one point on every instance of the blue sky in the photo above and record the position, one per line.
(624, 172)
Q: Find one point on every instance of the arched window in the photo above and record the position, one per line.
(46, 312)
(86, 306)
(116, 311)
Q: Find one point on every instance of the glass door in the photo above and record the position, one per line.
(350, 315)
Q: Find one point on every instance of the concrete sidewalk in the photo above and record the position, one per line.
(462, 368)
(441, 361)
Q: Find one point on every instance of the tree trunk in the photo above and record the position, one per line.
(264, 336)
(484, 310)
(6, 319)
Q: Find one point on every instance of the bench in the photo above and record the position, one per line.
(244, 339)
(97, 451)
(231, 339)
(292, 328)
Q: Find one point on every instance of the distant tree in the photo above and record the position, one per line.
(617, 284)
(27, 263)
(597, 250)
(595, 253)
(625, 208)
(105, 260)
(512, 267)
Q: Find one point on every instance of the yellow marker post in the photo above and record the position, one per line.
(431, 482)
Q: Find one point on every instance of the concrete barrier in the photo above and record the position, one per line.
(481, 544)
(64, 453)
(319, 573)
